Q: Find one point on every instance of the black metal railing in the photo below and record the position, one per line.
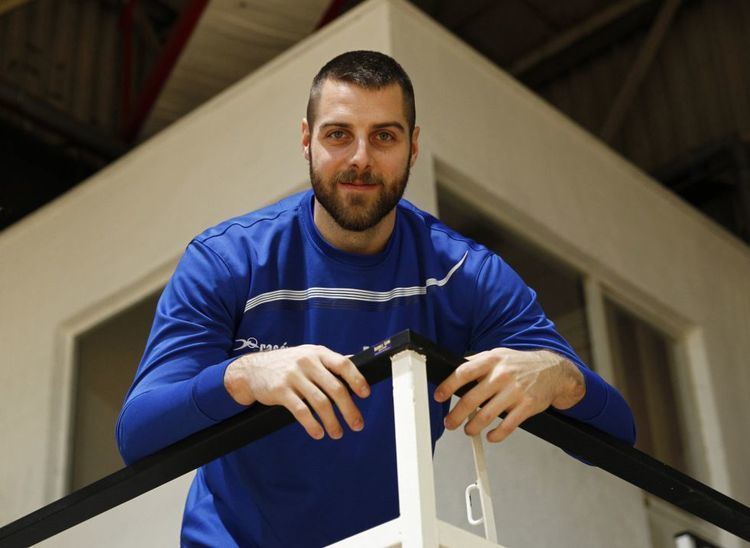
(587, 443)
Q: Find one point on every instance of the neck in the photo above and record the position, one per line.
(367, 242)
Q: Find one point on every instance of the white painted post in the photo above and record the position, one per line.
(416, 482)
(485, 494)
(417, 525)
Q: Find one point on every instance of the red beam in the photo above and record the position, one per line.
(158, 76)
(333, 11)
(126, 26)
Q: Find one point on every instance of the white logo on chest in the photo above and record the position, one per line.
(253, 344)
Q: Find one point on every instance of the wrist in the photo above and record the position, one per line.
(572, 386)
(236, 384)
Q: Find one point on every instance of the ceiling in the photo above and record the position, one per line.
(83, 81)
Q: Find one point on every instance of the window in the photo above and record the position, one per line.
(107, 357)
(644, 370)
(642, 357)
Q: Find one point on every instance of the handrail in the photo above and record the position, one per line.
(584, 441)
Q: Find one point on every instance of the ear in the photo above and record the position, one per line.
(306, 139)
(414, 146)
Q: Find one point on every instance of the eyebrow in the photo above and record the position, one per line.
(397, 125)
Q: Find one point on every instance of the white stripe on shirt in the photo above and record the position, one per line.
(350, 293)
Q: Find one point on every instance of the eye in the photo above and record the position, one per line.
(384, 136)
(336, 134)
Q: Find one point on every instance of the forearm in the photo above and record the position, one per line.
(160, 416)
(179, 386)
(603, 407)
(585, 396)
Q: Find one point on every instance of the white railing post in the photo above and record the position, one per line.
(417, 525)
(483, 484)
(416, 482)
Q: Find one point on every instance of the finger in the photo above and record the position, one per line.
(519, 414)
(474, 356)
(467, 404)
(322, 406)
(338, 392)
(464, 373)
(345, 368)
(490, 411)
(304, 416)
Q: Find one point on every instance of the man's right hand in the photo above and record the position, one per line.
(293, 376)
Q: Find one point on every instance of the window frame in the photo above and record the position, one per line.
(696, 399)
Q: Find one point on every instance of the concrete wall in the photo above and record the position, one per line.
(116, 238)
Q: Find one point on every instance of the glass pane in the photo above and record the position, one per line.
(643, 364)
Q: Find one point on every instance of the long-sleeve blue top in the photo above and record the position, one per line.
(269, 280)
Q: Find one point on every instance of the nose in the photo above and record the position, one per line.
(361, 155)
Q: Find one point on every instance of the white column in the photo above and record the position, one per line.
(596, 317)
(416, 483)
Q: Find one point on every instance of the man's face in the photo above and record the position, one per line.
(359, 152)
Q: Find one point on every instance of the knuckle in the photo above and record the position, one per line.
(299, 409)
(288, 378)
(499, 377)
(498, 353)
(462, 373)
(304, 362)
(471, 401)
(338, 391)
(461, 407)
(531, 402)
(484, 416)
(310, 349)
(318, 400)
(324, 405)
(503, 374)
(518, 390)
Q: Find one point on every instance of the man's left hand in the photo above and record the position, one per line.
(523, 383)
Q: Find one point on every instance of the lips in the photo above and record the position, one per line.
(359, 184)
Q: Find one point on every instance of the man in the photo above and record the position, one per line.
(264, 308)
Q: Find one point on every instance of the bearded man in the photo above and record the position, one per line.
(318, 276)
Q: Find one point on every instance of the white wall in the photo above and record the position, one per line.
(117, 237)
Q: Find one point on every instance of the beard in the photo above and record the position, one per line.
(358, 212)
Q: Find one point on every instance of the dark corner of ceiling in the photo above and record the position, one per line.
(63, 102)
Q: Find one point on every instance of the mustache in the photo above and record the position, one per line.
(351, 175)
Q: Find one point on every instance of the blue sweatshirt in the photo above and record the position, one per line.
(269, 280)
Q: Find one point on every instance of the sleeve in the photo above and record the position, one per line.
(179, 386)
(507, 314)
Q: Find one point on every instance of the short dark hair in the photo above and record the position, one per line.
(369, 70)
